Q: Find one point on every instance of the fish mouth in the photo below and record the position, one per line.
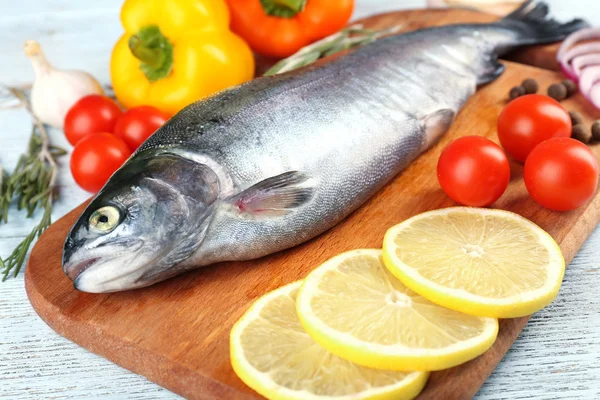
(92, 284)
(83, 281)
(103, 266)
(73, 271)
(108, 275)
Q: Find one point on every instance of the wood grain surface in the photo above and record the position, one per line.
(176, 333)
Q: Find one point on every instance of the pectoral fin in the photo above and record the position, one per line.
(275, 196)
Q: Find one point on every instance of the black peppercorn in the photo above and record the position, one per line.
(576, 118)
(581, 133)
(557, 91)
(571, 87)
(515, 92)
(530, 85)
(596, 130)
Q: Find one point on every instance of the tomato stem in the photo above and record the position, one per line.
(154, 51)
(283, 8)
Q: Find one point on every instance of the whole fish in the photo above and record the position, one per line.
(272, 163)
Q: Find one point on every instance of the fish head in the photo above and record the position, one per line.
(150, 216)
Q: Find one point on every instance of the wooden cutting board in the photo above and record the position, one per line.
(176, 332)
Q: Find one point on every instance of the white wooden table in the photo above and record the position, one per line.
(556, 357)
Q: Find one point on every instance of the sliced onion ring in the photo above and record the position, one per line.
(588, 78)
(582, 49)
(568, 72)
(594, 95)
(582, 34)
(568, 50)
(586, 60)
(577, 51)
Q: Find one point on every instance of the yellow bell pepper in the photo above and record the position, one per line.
(175, 52)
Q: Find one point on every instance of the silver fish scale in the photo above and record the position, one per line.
(351, 126)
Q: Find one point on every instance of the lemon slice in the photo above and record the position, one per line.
(271, 353)
(482, 262)
(355, 308)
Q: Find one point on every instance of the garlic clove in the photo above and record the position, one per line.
(55, 91)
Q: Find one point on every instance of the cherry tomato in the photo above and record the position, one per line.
(561, 174)
(529, 120)
(91, 114)
(95, 158)
(138, 123)
(473, 171)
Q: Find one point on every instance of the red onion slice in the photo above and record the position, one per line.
(568, 72)
(581, 49)
(577, 51)
(586, 60)
(582, 34)
(569, 49)
(588, 78)
(594, 96)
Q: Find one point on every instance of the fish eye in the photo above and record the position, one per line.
(104, 219)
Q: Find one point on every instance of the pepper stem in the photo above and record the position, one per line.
(153, 57)
(283, 8)
(154, 51)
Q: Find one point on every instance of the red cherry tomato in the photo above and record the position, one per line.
(473, 171)
(529, 120)
(561, 174)
(95, 158)
(91, 114)
(138, 123)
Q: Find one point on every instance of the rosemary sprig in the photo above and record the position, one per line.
(347, 38)
(4, 195)
(31, 185)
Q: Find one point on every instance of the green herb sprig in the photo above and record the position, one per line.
(32, 185)
(5, 195)
(347, 38)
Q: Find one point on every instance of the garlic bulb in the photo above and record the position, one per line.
(55, 91)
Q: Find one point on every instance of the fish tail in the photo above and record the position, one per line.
(532, 25)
